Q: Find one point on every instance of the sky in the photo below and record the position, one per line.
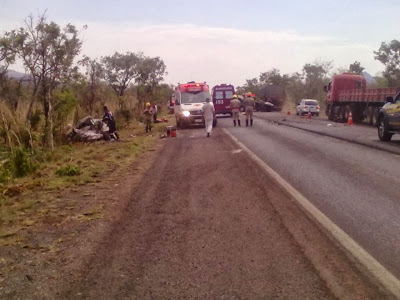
(224, 41)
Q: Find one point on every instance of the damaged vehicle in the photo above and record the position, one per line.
(89, 129)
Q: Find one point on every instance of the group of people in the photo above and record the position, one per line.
(248, 103)
(208, 110)
(150, 113)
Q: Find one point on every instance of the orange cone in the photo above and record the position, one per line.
(288, 112)
(350, 119)
(309, 115)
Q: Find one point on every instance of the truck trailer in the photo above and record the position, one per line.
(349, 93)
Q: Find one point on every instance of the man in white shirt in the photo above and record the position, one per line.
(208, 115)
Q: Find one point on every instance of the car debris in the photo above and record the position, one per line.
(88, 129)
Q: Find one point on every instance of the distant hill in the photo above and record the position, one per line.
(17, 75)
(370, 79)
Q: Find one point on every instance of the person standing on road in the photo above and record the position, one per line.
(249, 103)
(148, 113)
(208, 115)
(235, 106)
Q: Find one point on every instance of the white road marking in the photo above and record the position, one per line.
(384, 276)
(237, 151)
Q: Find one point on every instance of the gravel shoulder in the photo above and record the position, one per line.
(201, 221)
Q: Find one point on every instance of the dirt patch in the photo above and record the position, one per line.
(51, 223)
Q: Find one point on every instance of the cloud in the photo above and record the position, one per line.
(218, 55)
(221, 55)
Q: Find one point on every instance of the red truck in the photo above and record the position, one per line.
(222, 95)
(349, 93)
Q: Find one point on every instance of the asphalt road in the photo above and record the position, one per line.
(205, 222)
(355, 186)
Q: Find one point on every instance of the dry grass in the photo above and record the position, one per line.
(36, 199)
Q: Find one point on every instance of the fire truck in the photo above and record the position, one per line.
(189, 100)
(349, 93)
(222, 95)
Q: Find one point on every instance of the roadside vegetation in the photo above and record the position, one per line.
(60, 87)
(34, 199)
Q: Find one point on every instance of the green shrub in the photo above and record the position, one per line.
(123, 116)
(5, 174)
(68, 170)
(22, 164)
(35, 119)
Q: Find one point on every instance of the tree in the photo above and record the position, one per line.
(251, 85)
(389, 55)
(7, 57)
(381, 81)
(151, 72)
(94, 73)
(274, 77)
(120, 70)
(356, 68)
(295, 89)
(48, 52)
(315, 77)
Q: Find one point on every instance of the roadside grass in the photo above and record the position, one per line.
(35, 199)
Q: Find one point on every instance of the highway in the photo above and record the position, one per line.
(356, 187)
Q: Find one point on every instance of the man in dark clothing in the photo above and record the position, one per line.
(109, 119)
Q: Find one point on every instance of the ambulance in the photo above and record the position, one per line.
(189, 100)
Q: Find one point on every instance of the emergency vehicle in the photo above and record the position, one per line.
(189, 100)
(222, 95)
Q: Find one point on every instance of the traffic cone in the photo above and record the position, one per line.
(309, 115)
(350, 119)
(288, 112)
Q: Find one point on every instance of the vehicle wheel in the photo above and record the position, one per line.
(375, 116)
(370, 115)
(317, 114)
(383, 130)
(342, 114)
(347, 111)
(241, 109)
(331, 113)
(178, 124)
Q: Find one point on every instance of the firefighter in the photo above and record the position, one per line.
(148, 113)
(208, 115)
(235, 106)
(249, 103)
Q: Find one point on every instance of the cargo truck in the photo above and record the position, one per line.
(273, 94)
(349, 93)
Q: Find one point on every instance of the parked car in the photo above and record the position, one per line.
(308, 105)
